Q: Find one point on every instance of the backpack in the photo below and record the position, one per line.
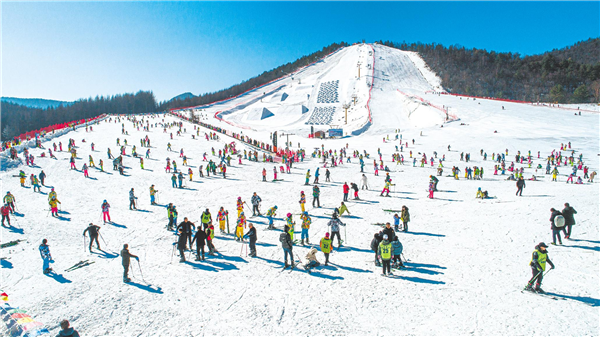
(559, 221)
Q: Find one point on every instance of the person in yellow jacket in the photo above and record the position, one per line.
(241, 225)
(190, 173)
(386, 253)
(302, 201)
(221, 217)
(153, 192)
(22, 178)
(325, 245)
(240, 206)
(343, 208)
(554, 174)
(539, 257)
(306, 221)
(481, 194)
(290, 224)
(54, 206)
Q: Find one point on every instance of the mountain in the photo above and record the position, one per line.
(37, 103)
(182, 97)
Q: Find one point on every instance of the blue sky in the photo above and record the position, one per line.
(71, 50)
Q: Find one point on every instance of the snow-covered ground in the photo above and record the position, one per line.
(468, 258)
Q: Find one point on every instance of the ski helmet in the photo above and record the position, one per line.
(385, 236)
(289, 215)
(104, 201)
(275, 207)
(326, 235)
(305, 213)
(239, 198)
(301, 192)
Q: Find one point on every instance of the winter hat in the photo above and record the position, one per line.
(275, 206)
(326, 235)
(45, 241)
(541, 244)
(289, 215)
(385, 236)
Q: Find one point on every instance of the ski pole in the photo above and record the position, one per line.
(103, 239)
(405, 260)
(84, 243)
(533, 279)
(172, 253)
(242, 249)
(142, 274)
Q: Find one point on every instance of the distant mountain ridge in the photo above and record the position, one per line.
(37, 103)
(183, 96)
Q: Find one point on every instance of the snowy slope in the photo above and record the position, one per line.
(468, 258)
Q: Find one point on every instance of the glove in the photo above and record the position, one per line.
(137, 258)
(552, 267)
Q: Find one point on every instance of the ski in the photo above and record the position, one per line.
(81, 266)
(533, 292)
(77, 264)
(392, 210)
(378, 224)
(10, 244)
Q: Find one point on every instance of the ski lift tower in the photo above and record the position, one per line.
(354, 97)
(346, 106)
(358, 66)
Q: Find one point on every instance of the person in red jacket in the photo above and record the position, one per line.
(5, 210)
(346, 191)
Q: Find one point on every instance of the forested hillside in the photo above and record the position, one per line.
(568, 75)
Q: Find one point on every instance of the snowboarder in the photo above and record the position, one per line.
(386, 253)
(93, 231)
(125, 259)
(46, 257)
(326, 247)
(538, 266)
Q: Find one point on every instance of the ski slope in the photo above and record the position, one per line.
(468, 258)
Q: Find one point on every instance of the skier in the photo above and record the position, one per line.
(240, 206)
(241, 225)
(153, 195)
(326, 247)
(221, 217)
(93, 232)
(343, 209)
(568, 213)
(520, 186)
(405, 217)
(46, 257)
(364, 182)
(539, 257)
(171, 214)
(557, 222)
(181, 244)
(316, 181)
(54, 206)
(306, 221)
(9, 199)
(316, 193)
(186, 228)
(386, 188)
(335, 224)
(307, 177)
(386, 253)
(180, 178)
(125, 259)
(346, 190)
(200, 239)
(431, 189)
(311, 260)
(5, 210)
(270, 214)
(251, 235)
(396, 222)
(105, 214)
(286, 245)
(355, 188)
(397, 249)
(327, 174)
(42, 176)
(302, 200)
(210, 235)
(132, 199)
(255, 204)
(435, 181)
(290, 224)
(264, 174)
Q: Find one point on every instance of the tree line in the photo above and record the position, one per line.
(18, 119)
(568, 75)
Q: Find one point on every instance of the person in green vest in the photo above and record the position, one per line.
(206, 219)
(386, 253)
(538, 262)
(326, 247)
